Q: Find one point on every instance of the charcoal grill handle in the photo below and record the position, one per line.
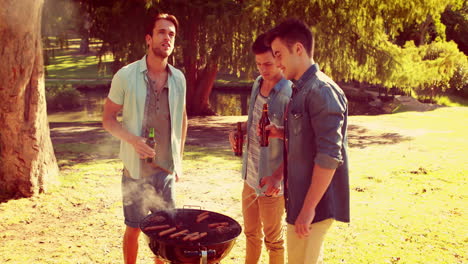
(199, 253)
(204, 257)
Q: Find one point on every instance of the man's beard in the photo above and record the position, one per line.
(159, 53)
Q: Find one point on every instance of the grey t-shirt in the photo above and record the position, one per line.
(157, 116)
(254, 144)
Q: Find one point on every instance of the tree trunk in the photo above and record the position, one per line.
(84, 44)
(205, 82)
(28, 162)
(190, 62)
(423, 31)
(85, 33)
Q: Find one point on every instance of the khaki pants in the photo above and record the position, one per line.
(263, 213)
(308, 250)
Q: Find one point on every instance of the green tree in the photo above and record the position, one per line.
(206, 41)
(456, 22)
(120, 26)
(355, 39)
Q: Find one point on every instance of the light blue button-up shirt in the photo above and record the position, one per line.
(271, 157)
(128, 88)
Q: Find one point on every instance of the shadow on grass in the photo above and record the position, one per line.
(73, 132)
(199, 153)
(360, 137)
(216, 136)
(82, 142)
(5, 198)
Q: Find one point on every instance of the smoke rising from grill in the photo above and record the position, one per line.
(152, 199)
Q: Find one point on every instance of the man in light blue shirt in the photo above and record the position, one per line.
(151, 95)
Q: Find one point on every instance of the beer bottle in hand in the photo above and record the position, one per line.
(151, 143)
(239, 139)
(264, 121)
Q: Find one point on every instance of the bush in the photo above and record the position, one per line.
(63, 97)
(433, 69)
(459, 81)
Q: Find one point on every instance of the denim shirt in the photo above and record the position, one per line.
(128, 88)
(272, 156)
(316, 133)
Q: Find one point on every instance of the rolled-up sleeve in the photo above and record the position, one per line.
(327, 112)
(116, 92)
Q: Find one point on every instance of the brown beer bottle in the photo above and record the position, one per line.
(151, 143)
(264, 121)
(239, 139)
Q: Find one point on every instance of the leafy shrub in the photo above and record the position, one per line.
(432, 69)
(459, 81)
(63, 97)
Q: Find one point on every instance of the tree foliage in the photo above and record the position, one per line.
(59, 18)
(355, 40)
(63, 19)
(456, 21)
(432, 68)
(120, 25)
(209, 40)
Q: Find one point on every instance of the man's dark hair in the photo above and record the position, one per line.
(259, 45)
(290, 32)
(151, 21)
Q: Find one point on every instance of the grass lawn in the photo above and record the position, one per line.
(67, 66)
(408, 194)
(452, 100)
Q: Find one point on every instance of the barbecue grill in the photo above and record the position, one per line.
(190, 236)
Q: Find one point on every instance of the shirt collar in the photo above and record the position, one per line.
(307, 75)
(277, 86)
(144, 67)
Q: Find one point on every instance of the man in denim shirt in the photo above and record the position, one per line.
(260, 211)
(315, 136)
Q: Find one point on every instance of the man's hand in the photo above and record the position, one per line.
(321, 178)
(110, 123)
(302, 224)
(273, 185)
(273, 182)
(275, 131)
(140, 146)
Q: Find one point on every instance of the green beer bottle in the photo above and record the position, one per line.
(151, 143)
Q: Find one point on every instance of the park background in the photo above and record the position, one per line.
(402, 64)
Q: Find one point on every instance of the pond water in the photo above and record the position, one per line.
(224, 102)
(228, 102)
